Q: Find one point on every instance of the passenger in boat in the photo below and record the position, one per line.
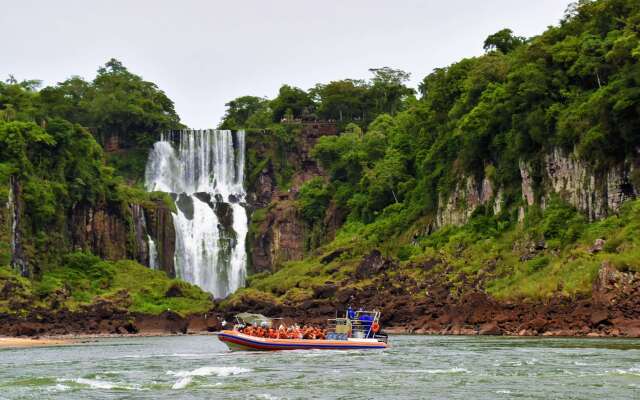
(310, 332)
(350, 313)
(295, 333)
(305, 332)
(292, 332)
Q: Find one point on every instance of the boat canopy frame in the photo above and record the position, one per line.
(360, 325)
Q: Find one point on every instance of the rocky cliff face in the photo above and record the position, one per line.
(110, 232)
(457, 208)
(100, 230)
(159, 223)
(15, 208)
(277, 238)
(277, 229)
(278, 233)
(114, 236)
(596, 194)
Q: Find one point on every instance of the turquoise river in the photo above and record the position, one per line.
(416, 367)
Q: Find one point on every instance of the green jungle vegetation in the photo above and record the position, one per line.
(50, 142)
(500, 256)
(575, 87)
(82, 279)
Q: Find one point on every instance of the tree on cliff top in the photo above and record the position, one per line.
(290, 100)
(388, 90)
(340, 100)
(504, 41)
(116, 104)
(246, 112)
(124, 104)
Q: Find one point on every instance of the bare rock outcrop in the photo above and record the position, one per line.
(595, 193)
(160, 228)
(278, 238)
(277, 231)
(123, 234)
(468, 195)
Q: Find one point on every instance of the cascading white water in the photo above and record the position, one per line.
(204, 171)
(153, 253)
(12, 215)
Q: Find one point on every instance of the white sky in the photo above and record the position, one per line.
(205, 53)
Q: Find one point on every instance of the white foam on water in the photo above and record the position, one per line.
(455, 370)
(513, 364)
(182, 383)
(503, 391)
(59, 388)
(186, 377)
(324, 353)
(95, 383)
(631, 371)
(214, 385)
(208, 371)
(267, 396)
(98, 384)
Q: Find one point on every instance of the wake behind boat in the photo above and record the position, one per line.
(358, 330)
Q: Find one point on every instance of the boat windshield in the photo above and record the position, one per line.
(254, 319)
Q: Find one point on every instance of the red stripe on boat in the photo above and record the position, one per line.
(258, 343)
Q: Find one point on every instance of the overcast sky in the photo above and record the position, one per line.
(204, 53)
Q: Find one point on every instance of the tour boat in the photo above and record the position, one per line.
(359, 330)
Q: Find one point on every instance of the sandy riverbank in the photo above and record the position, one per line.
(58, 340)
(13, 342)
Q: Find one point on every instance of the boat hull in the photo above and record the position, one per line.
(239, 341)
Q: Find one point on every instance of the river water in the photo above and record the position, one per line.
(416, 367)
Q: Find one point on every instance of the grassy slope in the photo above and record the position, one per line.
(84, 279)
(495, 253)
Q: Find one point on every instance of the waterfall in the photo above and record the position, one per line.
(142, 247)
(153, 253)
(18, 260)
(204, 172)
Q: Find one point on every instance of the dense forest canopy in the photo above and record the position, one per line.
(343, 101)
(575, 87)
(401, 153)
(122, 111)
(54, 173)
(480, 180)
(50, 142)
(116, 103)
